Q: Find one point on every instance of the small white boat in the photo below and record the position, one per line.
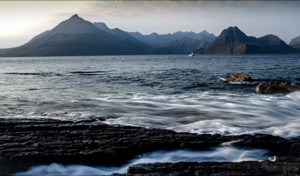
(192, 54)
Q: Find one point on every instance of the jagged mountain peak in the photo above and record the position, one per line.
(235, 31)
(232, 35)
(75, 24)
(75, 16)
(205, 32)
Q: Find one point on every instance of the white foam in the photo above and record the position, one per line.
(220, 154)
(204, 112)
(213, 112)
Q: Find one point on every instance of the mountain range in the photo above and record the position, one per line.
(233, 41)
(78, 37)
(166, 40)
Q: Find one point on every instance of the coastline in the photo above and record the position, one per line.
(28, 142)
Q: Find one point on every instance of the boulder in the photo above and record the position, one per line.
(238, 77)
(275, 87)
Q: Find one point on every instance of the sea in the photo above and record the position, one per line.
(176, 92)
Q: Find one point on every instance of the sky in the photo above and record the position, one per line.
(22, 20)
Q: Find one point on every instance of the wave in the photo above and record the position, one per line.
(208, 112)
(44, 74)
(213, 112)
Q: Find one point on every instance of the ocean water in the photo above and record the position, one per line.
(177, 92)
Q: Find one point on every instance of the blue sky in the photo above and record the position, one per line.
(22, 20)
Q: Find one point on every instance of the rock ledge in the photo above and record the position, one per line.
(24, 143)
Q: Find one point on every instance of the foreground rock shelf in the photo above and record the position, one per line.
(216, 168)
(24, 143)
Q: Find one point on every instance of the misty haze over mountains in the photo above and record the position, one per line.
(78, 37)
(295, 42)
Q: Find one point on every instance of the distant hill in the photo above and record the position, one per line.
(295, 42)
(77, 37)
(233, 41)
(165, 40)
(187, 45)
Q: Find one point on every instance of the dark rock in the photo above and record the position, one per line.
(295, 152)
(238, 77)
(216, 168)
(275, 87)
(24, 143)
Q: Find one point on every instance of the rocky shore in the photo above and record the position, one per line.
(28, 142)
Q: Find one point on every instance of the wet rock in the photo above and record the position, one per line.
(216, 168)
(238, 77)
(295, 152)
(24, 143)
(275, 87)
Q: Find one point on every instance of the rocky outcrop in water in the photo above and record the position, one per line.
(24, 143)
(271, 87)
(238, 77)
(275, 87)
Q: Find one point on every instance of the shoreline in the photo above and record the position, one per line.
(28, 142)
